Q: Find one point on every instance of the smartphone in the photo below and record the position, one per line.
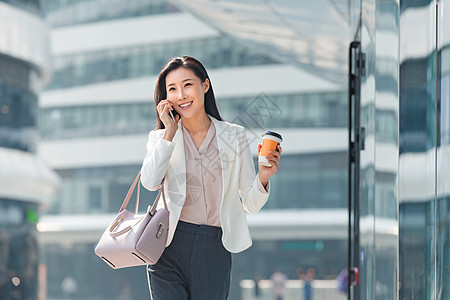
(173, 114)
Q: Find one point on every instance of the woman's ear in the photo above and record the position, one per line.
(206, 85)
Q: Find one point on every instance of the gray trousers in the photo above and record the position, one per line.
(195, 266)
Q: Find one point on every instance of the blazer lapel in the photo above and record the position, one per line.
(176, 172)
(227, 147)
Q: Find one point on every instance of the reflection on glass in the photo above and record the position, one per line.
(443, 153)
(379, 158)
(367, 167)
(386, 158)
(421, 209)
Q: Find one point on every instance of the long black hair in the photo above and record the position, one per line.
(199, 70)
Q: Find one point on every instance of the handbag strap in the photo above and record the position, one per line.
(137, 180)
(155, 204)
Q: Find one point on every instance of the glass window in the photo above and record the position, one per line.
(32, 6)
(332, 183)
(310, 181)
(64, 13)
(290, 110)
(18, 248)
(18, 118)
(318, 185)
(113, 64)
(95, 199)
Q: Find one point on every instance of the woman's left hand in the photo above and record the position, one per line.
(274, 159)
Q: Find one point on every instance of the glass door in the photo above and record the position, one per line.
(373, 153)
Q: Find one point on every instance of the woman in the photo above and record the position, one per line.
(207, 168)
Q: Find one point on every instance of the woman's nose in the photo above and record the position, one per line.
(181, 95)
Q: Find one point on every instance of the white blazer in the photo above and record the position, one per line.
(239, 178)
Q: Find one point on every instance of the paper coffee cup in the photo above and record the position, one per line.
(270, 141)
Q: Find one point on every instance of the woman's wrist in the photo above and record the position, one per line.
(264, 182)
(168, 136)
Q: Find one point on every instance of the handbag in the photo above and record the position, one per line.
(134, 239)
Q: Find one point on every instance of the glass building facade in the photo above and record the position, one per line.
(424, 137)
(18, 131)
(18, 249)
(65, 13)
(18, 90)
(316, 110)
(32, 6)
(26, 183)
(114, 64)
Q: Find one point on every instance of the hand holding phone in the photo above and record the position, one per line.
(169, 119)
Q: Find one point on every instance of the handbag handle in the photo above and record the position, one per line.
(123, 231)
(131, 190)
(152, 211)
(118, 233)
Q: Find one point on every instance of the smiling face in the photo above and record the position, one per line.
(187, 92)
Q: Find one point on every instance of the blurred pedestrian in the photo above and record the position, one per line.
(69, 287)
(257, 288)
(209, 182)
(342, 281)
(279, 280)
(126, 291)
(308, 279)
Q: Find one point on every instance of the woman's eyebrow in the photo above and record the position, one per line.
(187, 79)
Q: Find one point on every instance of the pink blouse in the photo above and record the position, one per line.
(203, 180)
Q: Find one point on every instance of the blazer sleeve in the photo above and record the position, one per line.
(156, 161)
(253, 198)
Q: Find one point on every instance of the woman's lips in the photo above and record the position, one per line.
(190, 104)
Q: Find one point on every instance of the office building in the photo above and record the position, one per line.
(26, 182)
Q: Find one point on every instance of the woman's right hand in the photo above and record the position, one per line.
(171, 126)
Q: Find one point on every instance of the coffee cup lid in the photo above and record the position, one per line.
(268, 132)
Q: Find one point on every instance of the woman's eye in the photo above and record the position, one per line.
(171, 89)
